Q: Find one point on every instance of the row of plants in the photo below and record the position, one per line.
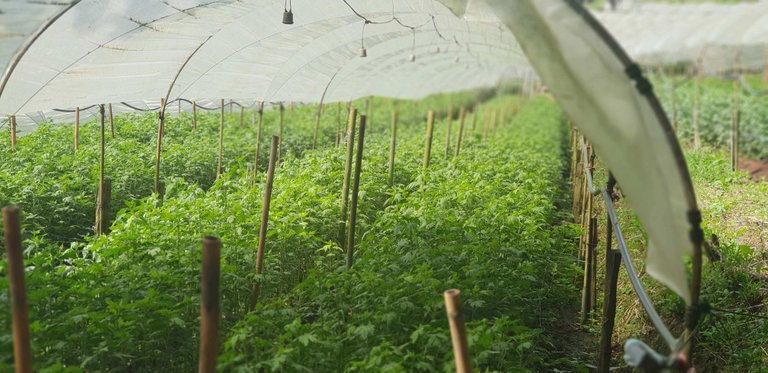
(486, 223)
(128, 300)
(716, 105)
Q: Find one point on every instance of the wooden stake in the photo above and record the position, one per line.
(459, 341)
(209, 305)
(593, 265)
(242, 115)
(735, 119)
(258, 140)
(428, 139)
(392, 146)
(160, 129)
(280, 132)
(347, 174)
(101, 192)
(103, 205)
(612, 265)
(13, 132)
(77, 128)
(318, 115)
(22, 352)
(265, 218)
(220, 166)
(111, 122)
(355, 194)
(338, 124)
(194, 114)
(449, 120)
(697, 108)
(462, 116)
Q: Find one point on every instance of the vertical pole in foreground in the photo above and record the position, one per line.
(112, 121)
(13, 132)
(219, 166)
(455, 314)
(392, 147)
(347, 174)
(194, 114)
(449, 120)
(209, 305)
(22, 353)
(160, 129)
(280, 132)
(462, 116)
(77, 128)
(264, 218)
(355, 192)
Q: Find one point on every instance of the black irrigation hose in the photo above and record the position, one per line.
(74, 110)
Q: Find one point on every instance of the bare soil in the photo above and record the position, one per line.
(757, 169)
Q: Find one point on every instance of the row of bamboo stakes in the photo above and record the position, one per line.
(210, 274)
(582, 167)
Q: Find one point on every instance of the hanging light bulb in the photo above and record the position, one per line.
(412, 58)
(363, 52)
(288, 13)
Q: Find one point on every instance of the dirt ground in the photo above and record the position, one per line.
(757, 169)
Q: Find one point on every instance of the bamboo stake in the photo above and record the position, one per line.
(209, 304)
(318, 116)
(103, 204)
(338, 125)
(77, 128)
(427, 145)
(697, 108)
(255, 290)
(612, 265)
(194, 114)
(475, 117)
(22, 352)
(100, 193)
(673, 99)
(258, 140)
(453, 308)
(428, 139)
(111, 122)
(462, 117)
(347, 174)
(392, 147)
(486, 124)
(13, 132)
(160, 129)
(735, 119)
(220, 166)
(242, 115)
(355, 195)
(280, 132)
(449, 121)
(593, 264)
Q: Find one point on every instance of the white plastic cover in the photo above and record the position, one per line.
(590, 83)
(722, 36)
(117, 51)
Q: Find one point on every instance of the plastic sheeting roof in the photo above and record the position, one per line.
(117, 51)
(722, 36)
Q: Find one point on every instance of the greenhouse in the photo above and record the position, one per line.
(367, 185)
